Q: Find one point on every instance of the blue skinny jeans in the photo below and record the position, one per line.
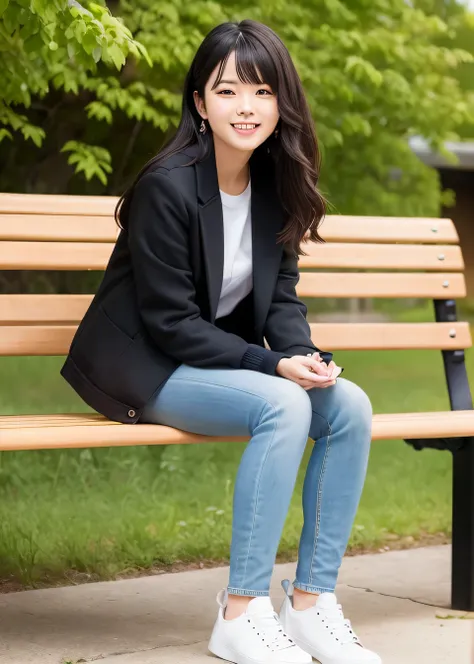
(279, 415)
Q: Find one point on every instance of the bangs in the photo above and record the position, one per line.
(250, 59)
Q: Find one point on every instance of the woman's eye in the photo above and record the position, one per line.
(232, 92)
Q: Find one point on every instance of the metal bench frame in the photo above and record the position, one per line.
(462, 450)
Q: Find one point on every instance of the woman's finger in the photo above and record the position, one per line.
(335, 372)
(321, 363)
(308, 385)
(314, 377)
(319, 368)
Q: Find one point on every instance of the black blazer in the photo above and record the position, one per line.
(155, 307)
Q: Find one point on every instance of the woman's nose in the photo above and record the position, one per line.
(245, 106)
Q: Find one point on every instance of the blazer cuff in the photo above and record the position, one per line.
(304, 350)
(261, 359)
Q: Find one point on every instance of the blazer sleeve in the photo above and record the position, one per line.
(158, 240)
(286, 328)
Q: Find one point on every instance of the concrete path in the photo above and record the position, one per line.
(397, 602)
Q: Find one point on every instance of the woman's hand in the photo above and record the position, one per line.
(308, 371)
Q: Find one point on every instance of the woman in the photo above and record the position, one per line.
(204, 268)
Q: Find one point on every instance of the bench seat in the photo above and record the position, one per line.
(363, 257)
(29, 432)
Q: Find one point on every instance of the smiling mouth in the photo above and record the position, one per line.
(239, 125)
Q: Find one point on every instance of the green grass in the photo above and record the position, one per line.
(107, 510)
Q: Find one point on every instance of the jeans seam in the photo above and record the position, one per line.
(318, 504)
(258, 490)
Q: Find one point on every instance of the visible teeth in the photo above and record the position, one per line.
(245, 126)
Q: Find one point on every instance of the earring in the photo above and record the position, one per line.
(276, 133)
(202, 128)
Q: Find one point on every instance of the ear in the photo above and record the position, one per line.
(201, 109)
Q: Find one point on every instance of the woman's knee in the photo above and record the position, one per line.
(288, 399)
(352, 395)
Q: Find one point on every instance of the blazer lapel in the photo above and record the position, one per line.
(267, 219)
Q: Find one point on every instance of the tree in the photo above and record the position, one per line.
(374, 71)
(57, 43)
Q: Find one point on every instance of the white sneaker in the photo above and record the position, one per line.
(323, 631)
(255, 637)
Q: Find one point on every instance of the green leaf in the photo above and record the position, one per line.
(117, 55)
(80, 29)
(71, 49)
(77, 9)
(97, 109)
(33, 44)
(3, 5)
(97, 10)
(36, 134)
(145, 53)
(74, 158)
(38, 6)
(70, 145)
(90, 41)
(70, 85)
(30, 27)
(4, 133)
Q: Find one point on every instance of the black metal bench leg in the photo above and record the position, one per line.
(462, 563)
(462, 571)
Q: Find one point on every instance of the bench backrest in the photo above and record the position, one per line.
(389, 257)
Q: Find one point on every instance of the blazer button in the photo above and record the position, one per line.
(131, 413)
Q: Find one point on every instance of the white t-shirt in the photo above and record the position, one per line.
(237, 277)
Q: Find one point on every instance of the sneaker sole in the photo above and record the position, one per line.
(321, 659)
(228, 654)
(224, 652)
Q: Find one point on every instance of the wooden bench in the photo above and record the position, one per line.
(420, 258)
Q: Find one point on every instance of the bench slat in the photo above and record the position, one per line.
(382, 256)
(16, 255)
(92, 430)
(341, 228)
(50, 204)
(381, 284)
(90, 219)
(54, 255)
(38, 308)
(56, 339)
(391, 336)
(59, 228)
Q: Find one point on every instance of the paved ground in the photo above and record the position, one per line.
(397, 602)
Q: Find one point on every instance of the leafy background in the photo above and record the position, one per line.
(82, 108)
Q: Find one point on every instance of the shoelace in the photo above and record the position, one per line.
(270, 630)
(340, 627)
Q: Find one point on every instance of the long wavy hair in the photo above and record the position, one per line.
(295, 152)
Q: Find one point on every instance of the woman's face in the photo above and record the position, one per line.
(234, 103)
